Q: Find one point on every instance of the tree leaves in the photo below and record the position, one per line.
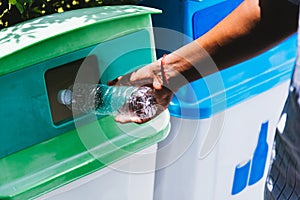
(13, 2)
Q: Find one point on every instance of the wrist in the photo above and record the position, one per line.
(175, 70)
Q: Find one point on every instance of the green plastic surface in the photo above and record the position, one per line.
(43, 38)
(58, 161)
(36, 155)
(25, 117)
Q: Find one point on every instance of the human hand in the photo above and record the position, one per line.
(152, 76)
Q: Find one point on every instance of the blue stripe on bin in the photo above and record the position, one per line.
(205, 97)
(240, 178)
(260, 156)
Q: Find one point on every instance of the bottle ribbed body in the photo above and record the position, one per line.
(109, 100)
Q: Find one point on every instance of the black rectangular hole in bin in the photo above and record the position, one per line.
(62, 77)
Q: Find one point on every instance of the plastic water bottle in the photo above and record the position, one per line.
(109, 100)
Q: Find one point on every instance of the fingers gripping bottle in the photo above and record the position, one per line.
(109, 100)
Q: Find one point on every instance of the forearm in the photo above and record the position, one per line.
(250, 29)
(238, 24)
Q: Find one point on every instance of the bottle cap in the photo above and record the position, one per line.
(65, 97)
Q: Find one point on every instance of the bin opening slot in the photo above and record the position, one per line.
(62, 77)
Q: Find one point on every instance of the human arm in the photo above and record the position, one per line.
(251, 28)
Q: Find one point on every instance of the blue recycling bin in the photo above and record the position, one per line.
(223, 125)
(223, 128)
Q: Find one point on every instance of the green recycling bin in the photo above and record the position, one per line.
(46, 152)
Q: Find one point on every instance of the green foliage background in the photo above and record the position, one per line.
(15, 11)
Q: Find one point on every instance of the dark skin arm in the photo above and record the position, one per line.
(253, 27)
(261, 25)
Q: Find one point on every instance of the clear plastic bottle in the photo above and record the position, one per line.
(109, 100)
